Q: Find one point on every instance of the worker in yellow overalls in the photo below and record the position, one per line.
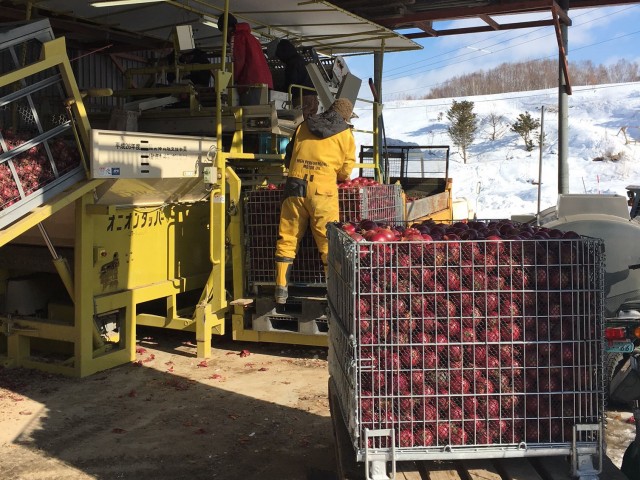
(321, 152)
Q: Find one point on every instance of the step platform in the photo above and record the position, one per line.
(306, 315)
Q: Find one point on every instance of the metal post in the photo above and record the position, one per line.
(540, 163)
(225, 14)
(377, 72)
(378, 60)
(563, 114)
(377, 132)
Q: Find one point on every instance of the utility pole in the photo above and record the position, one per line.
(563, 108)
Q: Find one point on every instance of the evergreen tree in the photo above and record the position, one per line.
(523, 126)
(463, 125)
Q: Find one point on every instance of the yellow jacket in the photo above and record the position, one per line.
(322, 150)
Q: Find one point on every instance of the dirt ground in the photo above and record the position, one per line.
(252, 411)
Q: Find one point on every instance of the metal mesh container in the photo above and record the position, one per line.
(465, 348)
(38, 153)
(21, 43)
(262, 217)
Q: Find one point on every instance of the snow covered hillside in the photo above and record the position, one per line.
(501, 170)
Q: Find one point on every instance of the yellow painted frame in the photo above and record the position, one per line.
(87, 359)
(89, 355)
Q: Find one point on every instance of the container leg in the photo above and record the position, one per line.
(347, 466)
(582, 464)
(376, 466)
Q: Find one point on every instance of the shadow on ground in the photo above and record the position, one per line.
(167, 418)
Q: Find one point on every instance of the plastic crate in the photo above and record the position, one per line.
(306, 317)
(262, 217)
(467, 349)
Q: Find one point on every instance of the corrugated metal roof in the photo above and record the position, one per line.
(318, 24)
(340, 26)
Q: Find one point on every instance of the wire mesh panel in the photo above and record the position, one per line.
(21, 43)
(37, 148)
(373, 202)
(262, 216)
(483, 347)
(405, 162)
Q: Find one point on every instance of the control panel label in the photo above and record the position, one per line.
(109, 171)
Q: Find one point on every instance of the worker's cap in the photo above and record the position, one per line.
(232, 22)
(272, 46)
(344, 107)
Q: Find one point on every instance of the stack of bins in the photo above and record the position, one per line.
(467, 349)
(262, 216)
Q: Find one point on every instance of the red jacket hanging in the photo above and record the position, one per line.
(249, 63)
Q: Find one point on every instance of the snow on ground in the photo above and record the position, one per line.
(500, 176)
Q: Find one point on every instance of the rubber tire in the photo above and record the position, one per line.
(631, 462)
(348, 467)
(612, 364)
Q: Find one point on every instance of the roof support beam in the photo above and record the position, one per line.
(458, 31)
(471, 12)
(427, 27)
(563, 53)
(490, 21)
(562, 14)
(116, 61)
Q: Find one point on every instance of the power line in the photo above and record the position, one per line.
(445, 54)
(475, 56)
(532, 60)
(512, 38)
(506, 48)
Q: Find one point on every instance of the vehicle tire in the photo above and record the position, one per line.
(631, 462)
(612, 364)
(347, 466)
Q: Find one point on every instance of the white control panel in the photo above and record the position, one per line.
(139, 155)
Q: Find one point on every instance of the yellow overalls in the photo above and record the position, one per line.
(311, 195)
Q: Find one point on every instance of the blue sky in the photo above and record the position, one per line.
(602, 35)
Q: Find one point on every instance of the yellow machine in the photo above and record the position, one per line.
(138, 223)
(141, 228)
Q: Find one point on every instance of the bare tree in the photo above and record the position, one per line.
(496, 125)
(533, 75)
